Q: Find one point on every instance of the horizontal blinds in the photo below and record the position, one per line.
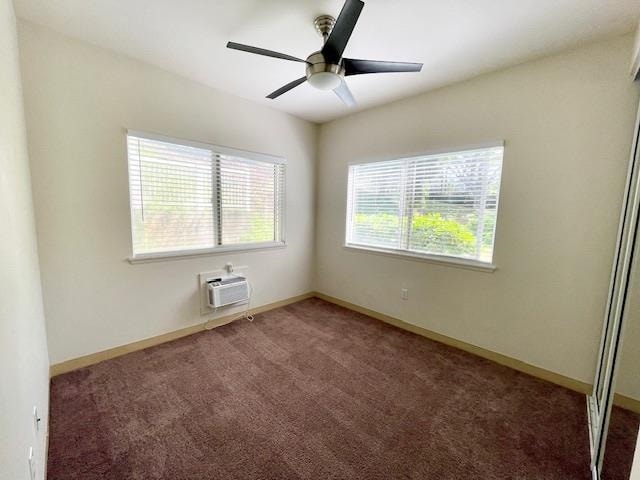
(170, 189)
(442, 204)
(377, 204)
(251, 197)
(186, 197)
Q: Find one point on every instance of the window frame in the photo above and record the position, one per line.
(215, 149)
(440, 259)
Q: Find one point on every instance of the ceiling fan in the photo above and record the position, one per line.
(327, 68)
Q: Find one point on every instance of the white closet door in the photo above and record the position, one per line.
(601, 400)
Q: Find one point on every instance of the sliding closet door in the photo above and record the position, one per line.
(601, 400)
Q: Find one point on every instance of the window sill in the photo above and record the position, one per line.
(437, 259)
(183, 254)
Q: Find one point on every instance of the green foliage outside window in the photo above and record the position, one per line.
(428, 232)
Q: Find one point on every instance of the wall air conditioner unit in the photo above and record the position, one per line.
(227, 291)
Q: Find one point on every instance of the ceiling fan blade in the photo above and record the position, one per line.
(345, 94)
(342, 30)
(354, 66)
(262, 51)
(287, 87)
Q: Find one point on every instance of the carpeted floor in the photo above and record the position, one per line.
(314, 391)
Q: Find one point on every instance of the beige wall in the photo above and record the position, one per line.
(95, 299)
(24, 363)
(635, 58)
(567, 122)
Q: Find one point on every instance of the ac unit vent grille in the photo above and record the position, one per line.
(228, 292)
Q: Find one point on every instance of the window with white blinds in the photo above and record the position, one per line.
(434, 205)
(188, 197)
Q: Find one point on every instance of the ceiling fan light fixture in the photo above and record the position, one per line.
(325, 80)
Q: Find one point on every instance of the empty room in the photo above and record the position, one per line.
(328, 239)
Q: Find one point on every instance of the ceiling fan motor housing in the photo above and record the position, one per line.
(323, 75)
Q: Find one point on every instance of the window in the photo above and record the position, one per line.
(189, 198)
(436, 205)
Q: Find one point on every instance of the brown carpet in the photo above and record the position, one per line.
(314, 391)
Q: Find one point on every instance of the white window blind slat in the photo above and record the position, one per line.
(443, 204)
(186, 197)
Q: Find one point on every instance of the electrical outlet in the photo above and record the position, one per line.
(404, 294)
(32, 464)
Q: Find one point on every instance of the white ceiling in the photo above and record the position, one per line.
(455, 39)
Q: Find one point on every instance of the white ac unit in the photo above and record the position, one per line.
(227, 291)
